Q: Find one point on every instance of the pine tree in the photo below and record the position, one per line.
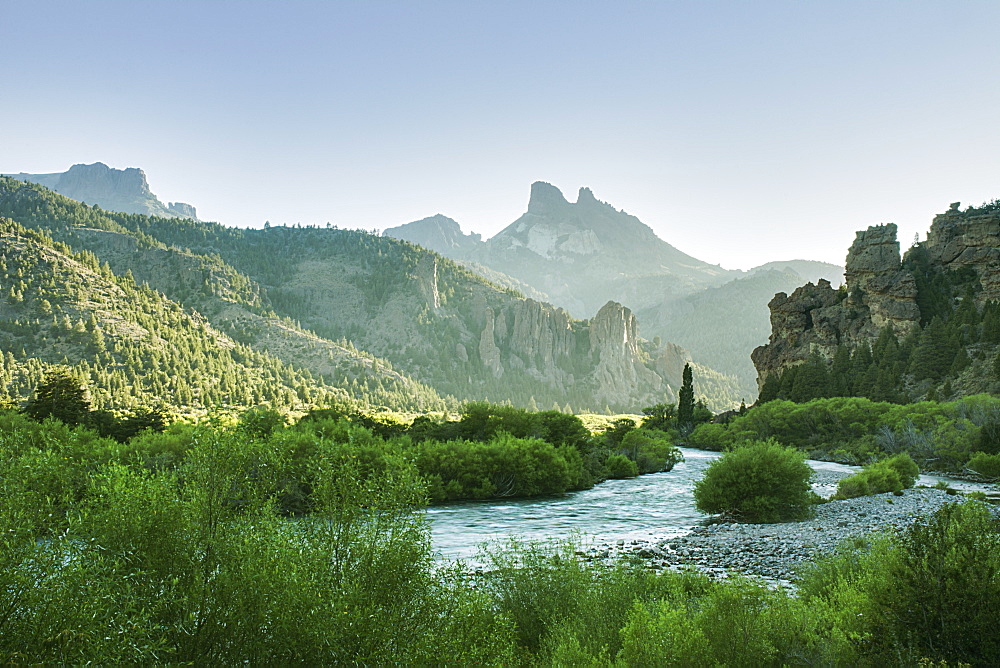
(685, 398)
(61, 395)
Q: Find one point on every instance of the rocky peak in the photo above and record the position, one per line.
(545, 199)
(586, 196)
(438, 233)
(183, 210)
(875, 252)
(100, 181)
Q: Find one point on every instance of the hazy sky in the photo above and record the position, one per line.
(742, 132)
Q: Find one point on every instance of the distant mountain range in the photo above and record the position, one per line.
(327, 310)
(580, 255)
(124, 190)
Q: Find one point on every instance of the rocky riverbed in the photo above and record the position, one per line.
(776, 551)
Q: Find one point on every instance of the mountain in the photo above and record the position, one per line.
(586, 253)
(437, 233)
(924, 325)
(131, 344)
(425, 316)
(810, 271)
(124, 190)
(579, 255)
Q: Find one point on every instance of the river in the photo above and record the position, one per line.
(658, 504)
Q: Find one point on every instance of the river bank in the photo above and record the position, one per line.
(777, 551)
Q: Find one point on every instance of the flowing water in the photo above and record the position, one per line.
(658, 504)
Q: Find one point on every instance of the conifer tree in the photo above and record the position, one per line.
(61, 395)
(685, 398)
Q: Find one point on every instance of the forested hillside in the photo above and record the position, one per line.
(129, 342)
(290, 291)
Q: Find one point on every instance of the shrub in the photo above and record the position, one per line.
(759, 481)
(651, 451)
(888, 475)
(984, 464)
(942, 591)
(620, 466)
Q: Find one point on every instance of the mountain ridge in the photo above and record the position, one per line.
(123, 190)
(421, 312)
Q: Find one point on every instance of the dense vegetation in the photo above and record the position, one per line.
(134, 346)
(937, 435)
(176, 547)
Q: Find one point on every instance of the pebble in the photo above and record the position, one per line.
(776, 552)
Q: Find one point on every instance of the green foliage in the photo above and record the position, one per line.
(685, 399)
(660, 417)
(758, 481)
(194, 564)
(650, 450)
(619, 466)
(892, 474)
(856, 430)
(175, 548)
(61, 395)
(504, 466)
(985, 464)
(931, 593)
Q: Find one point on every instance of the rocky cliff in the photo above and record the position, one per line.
(124, 190)
(817, 318)
(960, 257)
(969, 239)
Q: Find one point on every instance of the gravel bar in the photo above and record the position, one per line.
(776, 551)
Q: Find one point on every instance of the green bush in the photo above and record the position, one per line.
(888, 475)
(985, 464)
(620, 466)
(651, 451)
(758, 481)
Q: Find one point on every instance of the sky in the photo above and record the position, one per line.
(741, 132)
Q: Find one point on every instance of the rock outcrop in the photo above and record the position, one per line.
(614, 343)
(875, 278)
(969, 239)
(124, 190)
(183, 210)
(816, 318)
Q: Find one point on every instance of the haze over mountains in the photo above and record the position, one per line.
(580, 255)
(124, 190)
(389, 320)
(386, 322)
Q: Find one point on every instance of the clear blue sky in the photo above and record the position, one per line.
(742, 132)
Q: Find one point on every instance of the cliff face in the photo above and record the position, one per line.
(605, 354)
(124, 190)
(881, 292)
(968, 239)
(817, 318)
(614, 343)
